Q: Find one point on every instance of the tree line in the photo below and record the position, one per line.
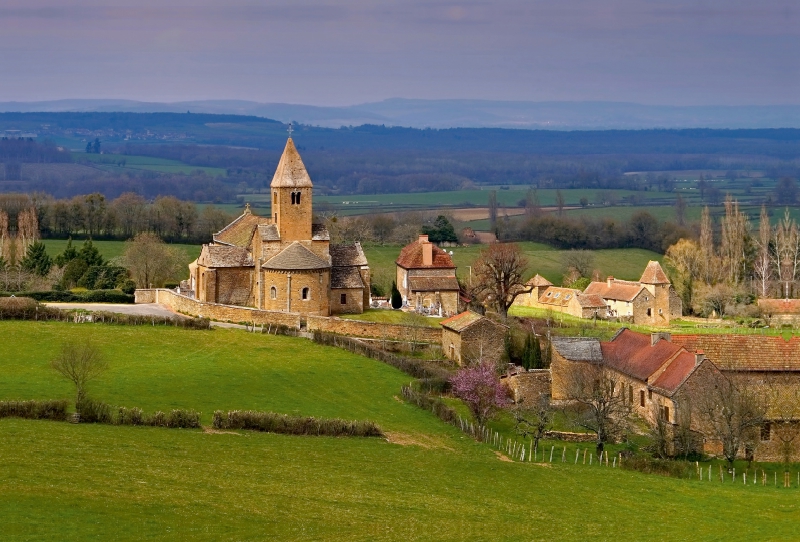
(95, 216)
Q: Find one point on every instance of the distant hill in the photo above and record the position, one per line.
(458, 113)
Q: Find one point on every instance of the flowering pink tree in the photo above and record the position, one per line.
(480, 388)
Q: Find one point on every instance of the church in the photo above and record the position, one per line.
(283, 262)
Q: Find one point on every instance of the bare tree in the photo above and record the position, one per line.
(709, 257)
(734, 411)
(735, 239)
(685, 259)
(787, 251)
(680, 210)
(581, 261)
(599, 394)
(151, 261)
(534, 420)
(660, 433)
(79, 363)
(480, 388)
(499, 270)
(762, 266)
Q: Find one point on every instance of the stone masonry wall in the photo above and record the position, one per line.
(529, 385)
(356, 328)
(187, 305)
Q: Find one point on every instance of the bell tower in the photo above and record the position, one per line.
(291, 197)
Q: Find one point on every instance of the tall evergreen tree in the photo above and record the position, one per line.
(89, 254)
(36, 259)
(396, 300)
(69, 254)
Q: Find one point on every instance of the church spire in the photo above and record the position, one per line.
(291, 172)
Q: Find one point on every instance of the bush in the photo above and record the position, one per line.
(662, 467)
(35, 410)
(89, 296)
(432, 404)
(294, 425)
(90, 411)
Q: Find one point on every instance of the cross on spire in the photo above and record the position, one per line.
(290, 129)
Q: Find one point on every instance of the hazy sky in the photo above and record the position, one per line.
(679, 52)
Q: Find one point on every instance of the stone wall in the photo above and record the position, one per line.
(354, 301)
(357, 328)
(187, 305)
(527, 386)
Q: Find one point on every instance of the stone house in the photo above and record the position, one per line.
(650, 301)
(565, 300)
(780, 311)
(471, 337)
(283, 262)
(426, 278)
(770, 366)
(657, 377)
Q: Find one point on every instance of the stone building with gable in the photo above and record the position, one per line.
(650, 301)
(283, 262)
(426, 278)
(468, 336)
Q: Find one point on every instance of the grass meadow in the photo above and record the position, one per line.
(61, 481)
(119, 163)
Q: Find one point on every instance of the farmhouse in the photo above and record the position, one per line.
(283, 262)
(657, 377)
(471, 337)
(426, 278)
(650, 301)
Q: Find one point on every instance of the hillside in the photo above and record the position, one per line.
(64, 481)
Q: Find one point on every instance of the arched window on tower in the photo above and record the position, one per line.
(298, 198)
(305, 293)
(273, 293)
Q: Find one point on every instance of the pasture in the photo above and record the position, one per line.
(428, 481)
(119, 163)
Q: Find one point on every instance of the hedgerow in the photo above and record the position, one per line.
(272, 422)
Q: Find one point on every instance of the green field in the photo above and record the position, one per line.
(75, 482)
(121, 162)
(114, 249)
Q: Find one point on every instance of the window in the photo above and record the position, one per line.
(304, 293)
(641, 397)
(274, 198)
(343, 299)
(766, 431)
(649, 312)
(558, 295)
(273, 293)
(298, 198)
(665, 413)
(566, 297)
(295, 198)
(660, 311)
(650, 394)
(549, 294)
(276, 218)
(630, 394)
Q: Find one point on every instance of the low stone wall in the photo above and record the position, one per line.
(215, 311)
(373, 330)
(570, 437)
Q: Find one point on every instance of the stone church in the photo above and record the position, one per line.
(283, 262)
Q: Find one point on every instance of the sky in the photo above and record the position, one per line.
(345, 52)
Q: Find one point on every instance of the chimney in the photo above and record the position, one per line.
(423, 239)
(699, 356)
(427, 251)
(658, 335)
(609, 280)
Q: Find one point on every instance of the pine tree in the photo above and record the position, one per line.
(36, 259)
(396, 300)
(69, 254)
(528, 352)
(537, 362)
(89, 254)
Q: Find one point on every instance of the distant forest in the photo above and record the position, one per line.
(370, 159)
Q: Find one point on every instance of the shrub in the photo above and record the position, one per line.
(432, 404)
(35, 410)
(272, 422)
(90, 411)
(129, 416)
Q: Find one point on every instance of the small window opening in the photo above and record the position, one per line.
(274, 197)
(650, 394)
(649, 312)
(343, 299)
(641, 397)
(273, 293)
(766, 431)
(304, 293)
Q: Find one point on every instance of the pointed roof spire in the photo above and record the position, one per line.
(654, 274)
(291, 172)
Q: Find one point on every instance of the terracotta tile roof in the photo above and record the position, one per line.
(538, 280)
(591, 301)
(344, 255)
(432, 284)
(269, 232)
(745, 352)
(558, 296)
(654, 274)
(224, 256)
(291, 172)
(239, 233)
(780, 306)
(411, 258)
(462, 321)
(346, 277)
(620, 290)
(295, 257)
(676, 373)
(578, 348)
(319, 233)
(632, 354)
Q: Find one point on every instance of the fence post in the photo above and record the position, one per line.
(551, 453)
